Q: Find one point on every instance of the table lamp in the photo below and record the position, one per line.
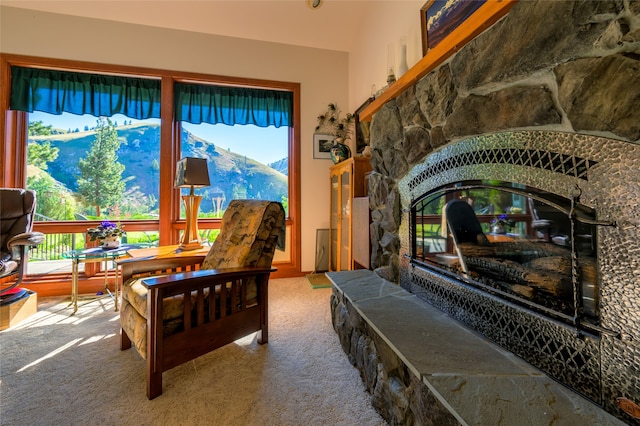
(191, 173)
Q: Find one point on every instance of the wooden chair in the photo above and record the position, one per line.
(196, 308)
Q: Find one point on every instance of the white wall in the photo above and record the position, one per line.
(322, 74)
(384, 23)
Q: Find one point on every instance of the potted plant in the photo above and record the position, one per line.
(341, 128)
(108, 234)
(501, 224)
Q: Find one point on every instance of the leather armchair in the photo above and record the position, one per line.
(17, 209)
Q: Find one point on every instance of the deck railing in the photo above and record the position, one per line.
(56, 244)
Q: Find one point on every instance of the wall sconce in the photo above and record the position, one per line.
(191, 173)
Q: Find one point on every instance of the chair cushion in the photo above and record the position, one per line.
(251, 230)
(13, 296)
(135, 326)
(136, 294)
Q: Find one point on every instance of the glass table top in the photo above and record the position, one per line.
(99, 252)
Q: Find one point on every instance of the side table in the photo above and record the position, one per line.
(95, 255)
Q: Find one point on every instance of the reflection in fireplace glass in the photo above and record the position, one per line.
(513, 241)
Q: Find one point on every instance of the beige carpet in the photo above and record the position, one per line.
(61, 369)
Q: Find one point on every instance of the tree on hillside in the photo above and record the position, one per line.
(54, 200)
(40, 154)
(37, 128)
(100, 181)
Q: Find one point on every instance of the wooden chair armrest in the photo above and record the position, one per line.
(195, 279)
(137, 266)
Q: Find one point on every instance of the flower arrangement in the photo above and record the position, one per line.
(104, 230)
(331, 123)
(503, 221)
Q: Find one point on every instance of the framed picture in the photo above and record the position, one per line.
(322, 145)
(362, 127)
(440, 17)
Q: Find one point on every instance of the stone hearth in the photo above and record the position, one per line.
(422, 367)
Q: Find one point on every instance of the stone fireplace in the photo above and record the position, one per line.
(546, 100)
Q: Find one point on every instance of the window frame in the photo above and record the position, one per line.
(13, 126)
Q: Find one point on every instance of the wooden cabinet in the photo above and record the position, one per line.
(347, 182)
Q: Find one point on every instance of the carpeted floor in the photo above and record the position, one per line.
(62, 369)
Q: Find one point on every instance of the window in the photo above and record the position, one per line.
(244, 162)
(66, 164)
(148, 146)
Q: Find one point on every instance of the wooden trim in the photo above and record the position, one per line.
(482, 19)
(295, 201)
(169, 197)
(5, 148)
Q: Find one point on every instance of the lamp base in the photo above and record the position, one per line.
(191, 239)
(193, 245)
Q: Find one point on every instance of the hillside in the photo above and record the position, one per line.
(232, 175)
(282, 166)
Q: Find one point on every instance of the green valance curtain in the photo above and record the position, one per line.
(198, 103)
(55, 92)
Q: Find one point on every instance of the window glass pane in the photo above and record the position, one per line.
(244, 162)
(86, 167)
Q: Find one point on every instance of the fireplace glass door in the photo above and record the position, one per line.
(516, 242)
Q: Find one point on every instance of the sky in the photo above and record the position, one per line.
(266, 145)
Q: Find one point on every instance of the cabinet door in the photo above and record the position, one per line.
(345, 220)
(334, 222)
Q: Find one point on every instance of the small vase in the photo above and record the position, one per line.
(110, 242)
(498, 229)
(403, 67)
(339, 151)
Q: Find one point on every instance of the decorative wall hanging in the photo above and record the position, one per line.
(440, 17)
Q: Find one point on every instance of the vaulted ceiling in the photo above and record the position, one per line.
(333, 25)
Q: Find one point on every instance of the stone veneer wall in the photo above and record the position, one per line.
(567, 66)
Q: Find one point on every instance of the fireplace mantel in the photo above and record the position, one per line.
(483, 18)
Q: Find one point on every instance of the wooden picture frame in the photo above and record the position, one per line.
(322, 145)
(439, 18)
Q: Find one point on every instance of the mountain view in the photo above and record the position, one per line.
(232, 175)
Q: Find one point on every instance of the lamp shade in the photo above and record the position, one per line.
(192, 172)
